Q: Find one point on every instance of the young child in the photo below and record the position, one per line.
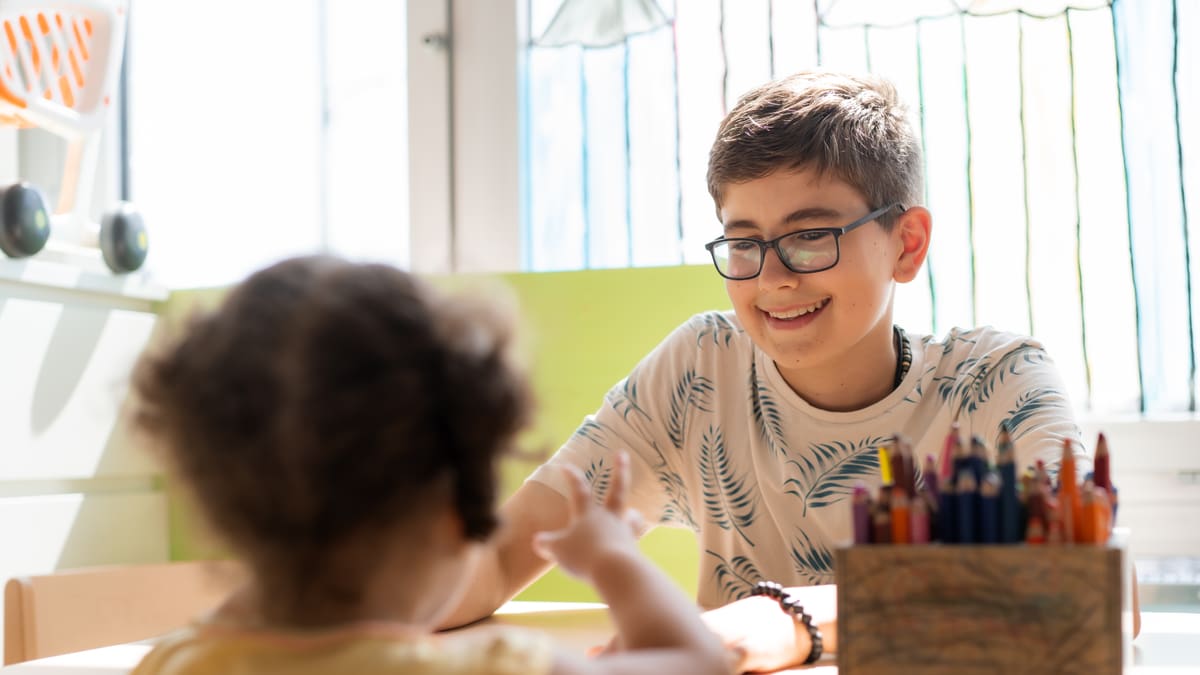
(752, 427)
(340, 426)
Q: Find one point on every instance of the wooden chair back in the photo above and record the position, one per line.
(74, 610)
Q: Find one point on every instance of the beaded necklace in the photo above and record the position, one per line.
(904, 358)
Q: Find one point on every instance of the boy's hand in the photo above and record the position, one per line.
(593, 531)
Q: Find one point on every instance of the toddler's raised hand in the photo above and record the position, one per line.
(594, 531)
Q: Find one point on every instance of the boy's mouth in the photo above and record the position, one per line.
(797, 312)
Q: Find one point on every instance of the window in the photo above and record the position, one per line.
(1064, 147)
(266, 129)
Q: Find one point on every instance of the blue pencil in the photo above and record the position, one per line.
(947, 514)
(1010, 504)
(968, 495)
(979, 462)
(988, 522)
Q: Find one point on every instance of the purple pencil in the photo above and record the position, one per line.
(861, 506)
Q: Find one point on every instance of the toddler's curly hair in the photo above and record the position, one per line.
(326, 401)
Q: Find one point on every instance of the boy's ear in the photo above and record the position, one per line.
(912, 229)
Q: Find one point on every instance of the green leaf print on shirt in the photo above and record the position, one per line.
(692, 390)
(975, 379)
(1009, 365)
(813, 562)
(677, 510)
(1029, 404)
(599, 476)
(625, 402)
(728, 501)
(591, 431)
(736, 577)
(955, 388)
(716, 326)
(918, 392)
(766, 414)
(837, 467)
(967, 337)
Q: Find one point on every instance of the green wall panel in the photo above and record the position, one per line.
(581, 332)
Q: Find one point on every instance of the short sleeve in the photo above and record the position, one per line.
(1021, 389)
(635, 416)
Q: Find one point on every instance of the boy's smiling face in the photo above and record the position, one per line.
(831, 328)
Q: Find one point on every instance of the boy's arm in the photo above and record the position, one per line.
(508, 563)
(766, 637)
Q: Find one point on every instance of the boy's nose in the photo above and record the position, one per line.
(775, 274)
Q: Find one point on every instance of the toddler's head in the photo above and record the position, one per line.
(327, 405)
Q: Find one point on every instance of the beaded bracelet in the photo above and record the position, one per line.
(792, 606)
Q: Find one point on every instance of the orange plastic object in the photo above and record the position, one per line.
(59, 62)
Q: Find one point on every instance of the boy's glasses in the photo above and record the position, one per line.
(802, 251)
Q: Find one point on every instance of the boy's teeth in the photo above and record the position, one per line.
(801, 311)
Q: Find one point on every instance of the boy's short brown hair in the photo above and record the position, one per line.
(854, 128)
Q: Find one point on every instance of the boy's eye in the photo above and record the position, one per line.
(810, 236)
(742, 246)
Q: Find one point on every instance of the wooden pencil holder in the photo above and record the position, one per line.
(982, 609)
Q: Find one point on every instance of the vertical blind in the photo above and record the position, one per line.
(1060, 143)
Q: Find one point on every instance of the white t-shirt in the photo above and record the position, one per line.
(720, 444)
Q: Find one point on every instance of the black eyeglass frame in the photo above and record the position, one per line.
(837, 233)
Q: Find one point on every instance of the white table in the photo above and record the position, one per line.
(1169, 643)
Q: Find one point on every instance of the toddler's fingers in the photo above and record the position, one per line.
(542, 545)
(619, 490)
(636, 522)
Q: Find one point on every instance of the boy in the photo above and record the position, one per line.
(752, 427)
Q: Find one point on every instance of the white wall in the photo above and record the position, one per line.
(72, 491)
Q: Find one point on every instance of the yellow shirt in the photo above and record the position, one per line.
(365, 649)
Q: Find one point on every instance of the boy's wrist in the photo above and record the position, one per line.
(806, 634)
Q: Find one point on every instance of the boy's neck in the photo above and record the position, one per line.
(863, 376)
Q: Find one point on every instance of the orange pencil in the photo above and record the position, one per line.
(1035, 531)
(1089, 523)
(900, 517)
(1068, 493)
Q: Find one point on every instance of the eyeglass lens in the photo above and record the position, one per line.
(802, 251)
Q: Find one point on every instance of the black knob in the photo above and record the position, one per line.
(24, 221)
(123, 241)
